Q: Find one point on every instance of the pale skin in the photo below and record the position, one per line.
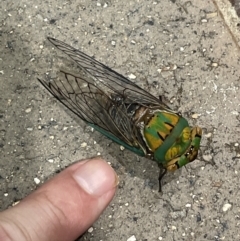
(64, 207)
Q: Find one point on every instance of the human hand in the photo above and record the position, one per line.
(64, 207)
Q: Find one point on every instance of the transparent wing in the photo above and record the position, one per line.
(100, 96)
(90, 103)
(110, 78)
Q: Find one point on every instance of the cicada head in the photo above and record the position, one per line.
(190, 154)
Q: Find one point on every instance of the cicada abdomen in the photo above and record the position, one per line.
(124, 112)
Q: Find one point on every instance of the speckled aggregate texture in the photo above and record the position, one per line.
(182, 50)
(236, 5)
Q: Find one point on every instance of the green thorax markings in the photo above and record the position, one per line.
(167, 135)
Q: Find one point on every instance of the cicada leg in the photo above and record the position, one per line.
(162, 172)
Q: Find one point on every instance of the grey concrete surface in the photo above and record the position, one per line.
(180, 49)
(236, 5)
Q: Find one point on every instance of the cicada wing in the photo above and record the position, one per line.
(111, 79)
(102, 97)
(98, 107)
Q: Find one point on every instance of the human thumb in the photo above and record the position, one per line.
(64, 207)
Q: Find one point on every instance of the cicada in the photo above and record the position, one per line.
(124, 112)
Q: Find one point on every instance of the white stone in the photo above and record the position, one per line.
(36, 180)
(132, 238)
(226, 207)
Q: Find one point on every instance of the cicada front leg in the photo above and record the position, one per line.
(162, 172)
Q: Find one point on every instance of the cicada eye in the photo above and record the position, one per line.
(173, 167)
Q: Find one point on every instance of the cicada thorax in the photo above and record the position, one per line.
(169, 139)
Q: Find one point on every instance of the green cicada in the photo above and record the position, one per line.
(125, 113)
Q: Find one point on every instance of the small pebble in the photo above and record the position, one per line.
(208, 135)
(207, 157)
(36, 180)
(132, 238)
(122, 148)
(235, 112)
(90, 230)
(132, 76)
(195, 116)
(226, 207)
(211, 15)
(28, 110)
(84, 144)
(15, 203)
(214, 64)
